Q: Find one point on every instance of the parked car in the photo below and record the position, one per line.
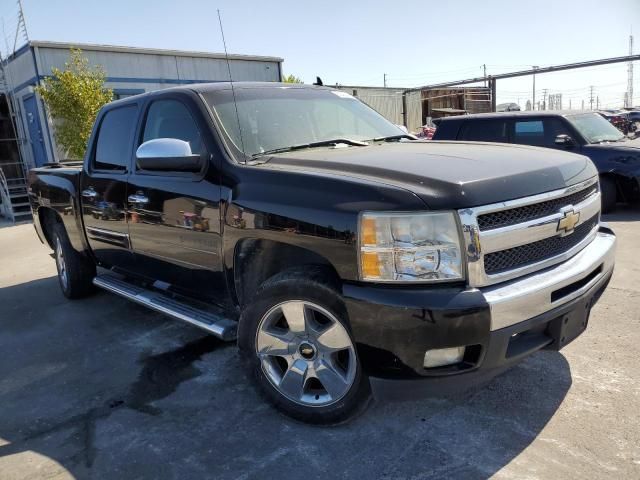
(616, 156)
(336, 251)
(620, 120)
(634, 116)
(426, 132)
(508, 107)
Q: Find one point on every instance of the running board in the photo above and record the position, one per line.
(219, 326)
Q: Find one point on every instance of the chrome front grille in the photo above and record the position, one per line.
(517, 257)
(510, 239)
(517, 215)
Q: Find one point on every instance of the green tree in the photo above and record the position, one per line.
(292, 79)
(74, 96)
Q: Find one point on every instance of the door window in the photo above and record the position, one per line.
(541, 133)
(171, 119)
(113, 147)
(528, 132)
(485, 131)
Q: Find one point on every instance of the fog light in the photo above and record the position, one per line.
(443, 356)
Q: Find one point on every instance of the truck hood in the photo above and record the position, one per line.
(627, 145)
(448, 175)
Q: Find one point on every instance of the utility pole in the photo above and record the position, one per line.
(629, 96)
(535, 67)
(598, 103)
(569, 104)
(544, 98)
(484, 67)
(582, 107)
(385, 80)
(591, 97)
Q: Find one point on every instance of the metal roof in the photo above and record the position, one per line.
(150, 51)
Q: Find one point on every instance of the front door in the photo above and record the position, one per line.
(35, 130)
(174, 217)
(103, 188)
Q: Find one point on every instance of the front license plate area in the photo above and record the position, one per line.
(565, 328)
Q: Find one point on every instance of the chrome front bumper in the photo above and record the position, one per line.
(527, 297)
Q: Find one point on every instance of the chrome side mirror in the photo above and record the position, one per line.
(167, 155)
(564, 140)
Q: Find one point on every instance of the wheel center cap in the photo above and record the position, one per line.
(307, 350)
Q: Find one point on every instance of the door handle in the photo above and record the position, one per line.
(89, 193)
(139, 198)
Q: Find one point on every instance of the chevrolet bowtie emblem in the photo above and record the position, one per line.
(568, 222)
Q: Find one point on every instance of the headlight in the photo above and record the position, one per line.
(409, 247)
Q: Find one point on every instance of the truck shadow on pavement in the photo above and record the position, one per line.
(104, 388)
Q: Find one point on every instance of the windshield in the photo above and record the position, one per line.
(594, 128)
(280, 117)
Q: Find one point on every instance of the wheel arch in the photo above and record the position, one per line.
(257, 260)
(47, 218)
(627, 185)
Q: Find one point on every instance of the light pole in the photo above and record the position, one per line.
(533, 104)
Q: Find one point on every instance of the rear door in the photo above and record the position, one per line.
(175, 216)
(104, 186)
(489, 130)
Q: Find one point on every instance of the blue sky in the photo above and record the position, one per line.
(356, 42)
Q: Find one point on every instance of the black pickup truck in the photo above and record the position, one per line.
(616, 156)
(334, 247)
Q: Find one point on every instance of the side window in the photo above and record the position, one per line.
(115, 136)
(552, 128)
(485, 131)
(529, 132)
(171, 119)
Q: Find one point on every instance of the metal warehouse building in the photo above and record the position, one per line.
(129, 71)
(29, 140)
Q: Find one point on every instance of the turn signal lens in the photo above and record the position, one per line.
(368, 231)
(370, 265)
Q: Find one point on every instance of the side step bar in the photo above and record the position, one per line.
(221, 327)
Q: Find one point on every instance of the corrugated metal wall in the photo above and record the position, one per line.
(162, 69)
(386, 102)
(414, 111)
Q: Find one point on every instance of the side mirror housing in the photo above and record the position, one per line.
(564, 140)
(167, 155)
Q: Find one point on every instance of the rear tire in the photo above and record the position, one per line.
(609, 194)
(75, 271)
(295, 337)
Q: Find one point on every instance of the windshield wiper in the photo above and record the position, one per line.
(391, 138)
(621, 139)
(323, 143)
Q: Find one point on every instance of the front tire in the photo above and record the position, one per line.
(298, 345)
(75, 271)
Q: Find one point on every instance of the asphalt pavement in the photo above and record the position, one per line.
(103, 388)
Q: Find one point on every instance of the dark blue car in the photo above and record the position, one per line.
(616, 156)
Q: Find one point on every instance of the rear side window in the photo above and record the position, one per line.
(485, 131)
(115, 136)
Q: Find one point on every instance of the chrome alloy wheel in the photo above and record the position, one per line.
(62, 267)
(306, 353)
